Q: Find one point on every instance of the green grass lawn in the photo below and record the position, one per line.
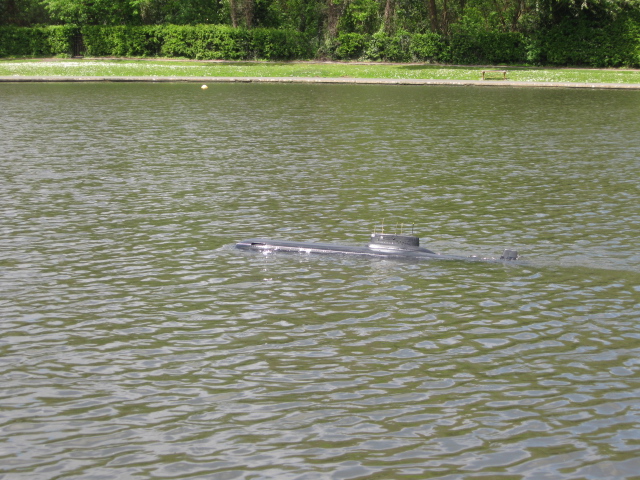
(189, 68)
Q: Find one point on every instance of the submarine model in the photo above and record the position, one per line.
(386, 245)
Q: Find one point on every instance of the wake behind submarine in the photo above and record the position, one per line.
(386, 245)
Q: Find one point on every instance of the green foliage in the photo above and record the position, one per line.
(481, 47)
(589, 41)
(391, 48)
(360, 16)
(22, 13)
(220, 42)
(60, 38)
(94, 12)
(302, 15)
(202, 42)
(412, 16)
(381, 46)
(599, 33)
(178, 41)
(44, 41)
(121, 41)
(21, 41)
(272, 44)
(428, 47)
(349, 46)
(178, 12)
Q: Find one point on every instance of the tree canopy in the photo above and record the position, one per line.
(316, 17)
(599, 33)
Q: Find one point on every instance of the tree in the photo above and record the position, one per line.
(93, 12)
(433, 16)
(241, 12)
(22, 13)
(389, 13)
(333, 12)
(178, 12)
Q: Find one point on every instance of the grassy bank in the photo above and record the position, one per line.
(186, 68)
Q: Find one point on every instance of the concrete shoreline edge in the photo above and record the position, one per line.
(318, 80)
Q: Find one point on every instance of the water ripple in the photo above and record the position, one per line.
(136, 342)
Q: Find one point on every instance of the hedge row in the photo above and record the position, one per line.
(189, 41)
(583, 42)
(43, 41)
(461, 48)
(616, 44)
(203, 42)
(571, 43)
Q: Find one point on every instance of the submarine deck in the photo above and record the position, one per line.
(324, 248)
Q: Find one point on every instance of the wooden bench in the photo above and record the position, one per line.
(490, 72)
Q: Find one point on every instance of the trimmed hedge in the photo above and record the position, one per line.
(122, 41)
(428, 47)
(575, 41)
(42, 41)
(394, 48)
(201, 42)
(487, 48)
(585, 42)
(272, 44)
(206, 42)
(461, 48)
(402, 47)
(349, 46)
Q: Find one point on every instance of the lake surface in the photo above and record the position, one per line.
(136, 342)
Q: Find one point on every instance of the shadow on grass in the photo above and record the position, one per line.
(430, 66)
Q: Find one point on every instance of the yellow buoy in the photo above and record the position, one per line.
(204, 87)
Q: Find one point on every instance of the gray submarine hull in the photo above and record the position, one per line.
(381, 245)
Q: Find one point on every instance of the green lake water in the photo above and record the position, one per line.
(136, 342)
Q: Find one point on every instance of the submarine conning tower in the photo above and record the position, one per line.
(394, 241)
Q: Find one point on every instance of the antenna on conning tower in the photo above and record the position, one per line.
(375, 228)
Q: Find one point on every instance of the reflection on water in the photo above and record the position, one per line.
(136, 342)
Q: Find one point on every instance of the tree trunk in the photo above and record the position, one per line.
(389, 11)
(11, 11)
(446, 14)
(232, 11)
(517, 11)
(500, 12)
(248, 10)
(433, 16)
(333, 12)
